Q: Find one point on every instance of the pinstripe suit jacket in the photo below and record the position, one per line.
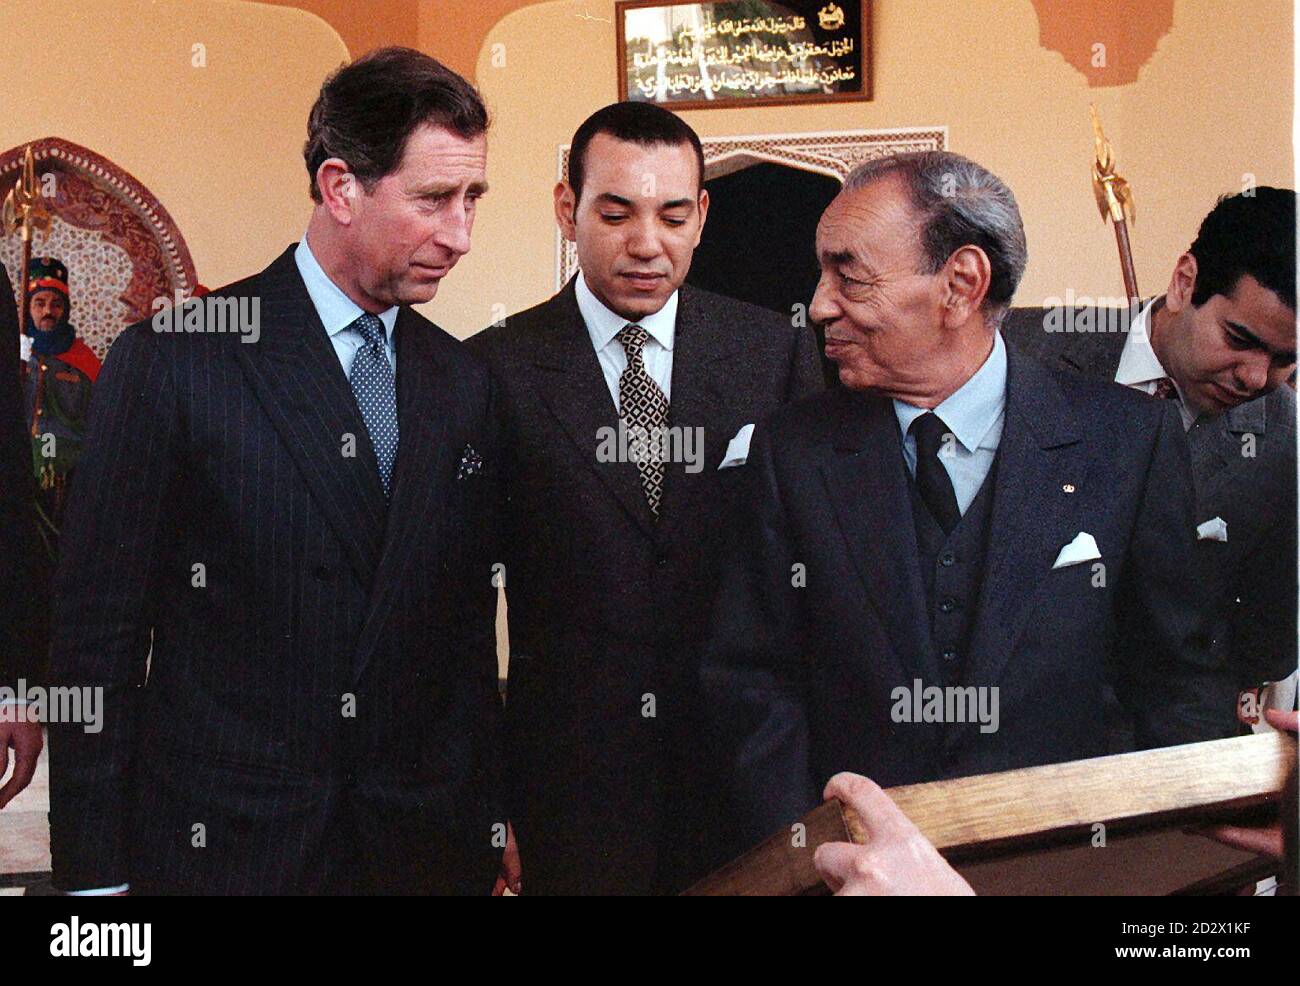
(320, 709)
(1244, 466)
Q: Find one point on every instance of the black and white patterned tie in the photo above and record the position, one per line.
(643, 409)
(373, 385)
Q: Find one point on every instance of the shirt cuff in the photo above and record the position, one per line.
(99, 892)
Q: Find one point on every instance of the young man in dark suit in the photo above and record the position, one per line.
(943, 561)
(296, 511)
(629, 399)
(1219, 345)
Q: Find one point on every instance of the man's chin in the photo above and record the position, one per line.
(633, 307)
(419, 292)
(854, 378)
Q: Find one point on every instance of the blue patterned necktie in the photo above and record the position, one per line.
(376, 393)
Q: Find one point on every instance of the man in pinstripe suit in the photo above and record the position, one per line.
(279, 549)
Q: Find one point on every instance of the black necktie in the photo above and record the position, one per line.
(932, 480)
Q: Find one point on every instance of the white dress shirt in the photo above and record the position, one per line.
(1140, 369)
(974, 414)
(604, 325)
(337, 311)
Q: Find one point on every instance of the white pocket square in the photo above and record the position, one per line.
(738, 448)
(1214, 529)
(1083, 548)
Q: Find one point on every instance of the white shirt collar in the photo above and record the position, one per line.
(972, 411)
(336, 310)
(1138, 363)
(1139, 367)
(603, 325)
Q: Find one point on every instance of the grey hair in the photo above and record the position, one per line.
(960, 204)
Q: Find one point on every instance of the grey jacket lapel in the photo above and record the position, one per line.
(865, 478)
(1040, 453)
(702, 352)
(1217, 441)
(573, 386)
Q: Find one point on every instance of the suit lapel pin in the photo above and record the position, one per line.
(1067, 488)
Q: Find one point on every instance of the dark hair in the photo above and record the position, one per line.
(366, 112)
(640, 123)
(1252, 233)
(960, 203)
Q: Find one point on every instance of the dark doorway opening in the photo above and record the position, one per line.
(758, 242)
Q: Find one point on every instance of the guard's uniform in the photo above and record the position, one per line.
(58, 373)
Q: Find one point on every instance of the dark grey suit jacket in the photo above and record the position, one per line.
(608, 779)
(1244, 465)
(801, 675)
(321, 693)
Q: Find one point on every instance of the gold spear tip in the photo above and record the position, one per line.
(1114, 198)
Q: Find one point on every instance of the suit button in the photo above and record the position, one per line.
(947, 559)
(947, 606)
(661, 561)
(323, 573)
(949, 654)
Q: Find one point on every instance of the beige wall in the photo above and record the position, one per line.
(220, 146)
(1212, 103)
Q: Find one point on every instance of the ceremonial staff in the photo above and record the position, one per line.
(1115, 200)
(24, 212)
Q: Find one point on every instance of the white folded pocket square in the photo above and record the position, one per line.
(1083, 548)
(738, 448)
(1214, 529)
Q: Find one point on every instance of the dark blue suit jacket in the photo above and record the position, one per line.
(607, 605)
(1244, 466)
(321, 694)
(801, 677)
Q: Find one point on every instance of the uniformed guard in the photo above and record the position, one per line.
(58, 371)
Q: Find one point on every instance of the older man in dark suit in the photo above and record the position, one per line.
(295, 508)
(629, 401)
(1218, 345)
(944, 560)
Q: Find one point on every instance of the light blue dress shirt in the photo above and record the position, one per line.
(603, 325)
(337, 311)
(974, 414)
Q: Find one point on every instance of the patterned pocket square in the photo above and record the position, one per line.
(471, 463)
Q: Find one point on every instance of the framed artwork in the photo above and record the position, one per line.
(685, 55)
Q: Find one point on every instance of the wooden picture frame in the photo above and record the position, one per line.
(814, 13)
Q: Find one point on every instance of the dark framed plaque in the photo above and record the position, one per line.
(686, 55)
